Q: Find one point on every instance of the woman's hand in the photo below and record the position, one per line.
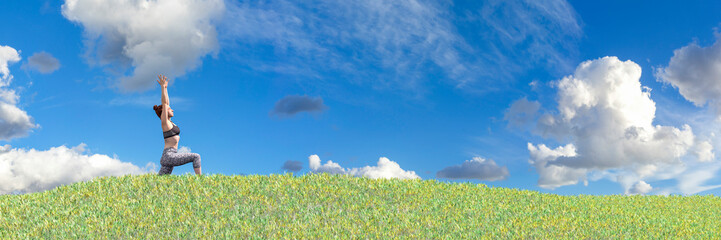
(163, 81)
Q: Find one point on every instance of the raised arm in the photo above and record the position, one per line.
(163, 81)
(164, 98)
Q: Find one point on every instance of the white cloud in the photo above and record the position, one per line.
(703, 151)
(695, 72)
(553, 176)
(28, 171)
(154, 37)
(394, 44)
(43, 62)
(8, 55)
(14, 122)
(478, 168)
(640, 187)
(385, 169)
(607, 115)
(329, 167)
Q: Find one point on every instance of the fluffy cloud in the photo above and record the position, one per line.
(42, 62)
(553, 176)
(165, 36)
(293, 104)
(640, 187)
(385, 169)
(478, 168)
(28, 171)
(14, 122)
(8, 55)
(694, 71)
(293, 166)
(395, 44)
(607, 115)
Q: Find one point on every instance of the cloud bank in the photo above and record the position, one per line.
(43, 62)
(385, 169)
(607, 116)
(477, 168)
(290, 105)
(14, 122)
(166, 36)
(27, 171)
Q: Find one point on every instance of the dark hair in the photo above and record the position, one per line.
(158, 109)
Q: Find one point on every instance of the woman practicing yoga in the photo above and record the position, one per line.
(171, 133)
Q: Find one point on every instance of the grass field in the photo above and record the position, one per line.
(325, 206)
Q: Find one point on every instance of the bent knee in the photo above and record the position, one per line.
(196, 161)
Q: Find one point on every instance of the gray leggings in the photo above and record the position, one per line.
(172, 158)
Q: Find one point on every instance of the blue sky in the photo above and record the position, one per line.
(427, 85)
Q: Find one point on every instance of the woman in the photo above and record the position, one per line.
(171, 133)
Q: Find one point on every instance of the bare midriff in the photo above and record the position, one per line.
(172, 141)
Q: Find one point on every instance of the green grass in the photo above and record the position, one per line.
(324, 206)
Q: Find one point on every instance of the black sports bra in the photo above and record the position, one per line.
(172, 132)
